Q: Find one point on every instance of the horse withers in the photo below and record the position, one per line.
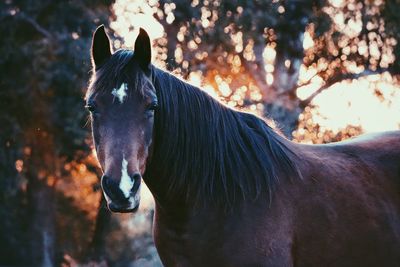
(229, 190)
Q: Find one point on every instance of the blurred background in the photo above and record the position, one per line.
(322, 71)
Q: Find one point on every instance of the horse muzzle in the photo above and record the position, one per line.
(118, 198)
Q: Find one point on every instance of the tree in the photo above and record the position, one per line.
(44, 70)
(249, 44)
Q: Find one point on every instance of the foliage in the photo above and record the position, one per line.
(311, 132)
(259, 57)
(44, 70)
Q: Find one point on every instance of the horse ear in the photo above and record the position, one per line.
(143, 49)
(101, 49)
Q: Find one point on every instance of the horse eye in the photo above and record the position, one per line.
(153, 106)
(90, 107)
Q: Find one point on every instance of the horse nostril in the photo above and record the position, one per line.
(136, 177)
(111, 188)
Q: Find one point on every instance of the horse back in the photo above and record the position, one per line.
(348, 205)
(376, 155)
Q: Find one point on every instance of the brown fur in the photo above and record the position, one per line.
(345, 211)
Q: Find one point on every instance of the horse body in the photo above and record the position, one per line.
(343, 212)
(229, 190)
(250, 236)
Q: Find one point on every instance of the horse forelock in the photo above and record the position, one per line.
(115, 72)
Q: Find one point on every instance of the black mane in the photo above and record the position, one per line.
(210, 152)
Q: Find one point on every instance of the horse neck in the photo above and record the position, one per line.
(173, 142)
(203, 150)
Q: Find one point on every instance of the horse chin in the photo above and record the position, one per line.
(128, 210)
(131, 206)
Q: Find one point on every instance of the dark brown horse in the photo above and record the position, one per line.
(230, 191)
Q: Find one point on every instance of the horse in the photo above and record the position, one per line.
(228, 189)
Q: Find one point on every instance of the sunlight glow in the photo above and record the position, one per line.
(307, 41)
(134, 14)
(356, 103)
(19, 164)
(336, 3)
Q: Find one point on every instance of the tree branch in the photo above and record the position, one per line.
(340, 78)
(34, 24)
(292, 91)
(257, 72)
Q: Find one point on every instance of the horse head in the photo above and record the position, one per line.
(122, 101)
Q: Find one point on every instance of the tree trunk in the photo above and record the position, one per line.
(171, 46)
(42, 208)
(283, 105)
(286, 118)
(281, 102)
(97, 248)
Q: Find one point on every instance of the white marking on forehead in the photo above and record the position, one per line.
(120, 93)
(126, 183)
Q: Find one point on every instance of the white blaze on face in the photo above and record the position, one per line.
(120, 93)
(126, 182)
